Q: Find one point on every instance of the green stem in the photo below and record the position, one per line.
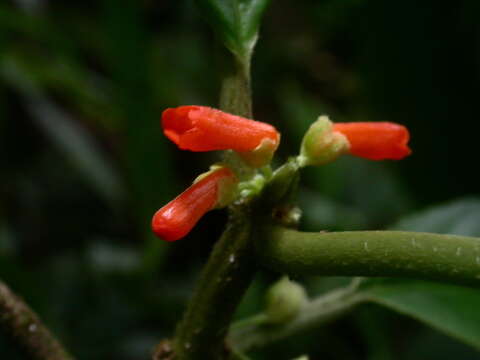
(27, 330)
(254, 332)
(230, 268)
(236, 98)
(448, 258)
(236, 93)
(227, 275)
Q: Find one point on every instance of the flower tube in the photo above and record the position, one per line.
(201, 128)
(179, 216)
(376, 140)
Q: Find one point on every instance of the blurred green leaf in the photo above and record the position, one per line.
(321, 212)
(373, 324)
(106, 258)
(461, 217)
(445, 347)
(83, 89)
(236, 22)
(71, 138)
(300, 110)
(6, 240)
(450, 309)
(146, 154)
(58, 64)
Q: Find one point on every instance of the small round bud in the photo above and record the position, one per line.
(284, 300)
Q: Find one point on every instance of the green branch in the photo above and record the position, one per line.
(230, 269)
(228, 273)
(26, 329)
(447, 258)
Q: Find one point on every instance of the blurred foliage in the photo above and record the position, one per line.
(84, 164)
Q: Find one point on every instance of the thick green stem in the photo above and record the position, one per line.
(236, 98)
(227, 275)
(448, 258)
(230, 268)
(255, 332)
(26, 329)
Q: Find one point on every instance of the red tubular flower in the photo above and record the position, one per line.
(200, 128)
(376, 140)
(179, 216)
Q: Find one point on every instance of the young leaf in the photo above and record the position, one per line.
(236, 22)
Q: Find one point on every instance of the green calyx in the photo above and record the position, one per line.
(227, 187)
(321, 144)
(252, 187)
(261, 155)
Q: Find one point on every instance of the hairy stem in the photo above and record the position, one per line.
(448, 258)
(236, 94)
(227, 275)
(255, 332)
(26, 329)
(230, 268)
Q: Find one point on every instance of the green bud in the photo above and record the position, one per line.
(284, 300)
(321, 144)
(251, 187)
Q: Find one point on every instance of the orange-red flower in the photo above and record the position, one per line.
(179, 216)
(376, 140)
(201, 128)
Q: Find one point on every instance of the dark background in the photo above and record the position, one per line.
(84, 164)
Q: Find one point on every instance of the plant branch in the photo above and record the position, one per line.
(230, 269)
(448, 258)
(227, 275)
(255, 332)
(231, 266)
(26, 329)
